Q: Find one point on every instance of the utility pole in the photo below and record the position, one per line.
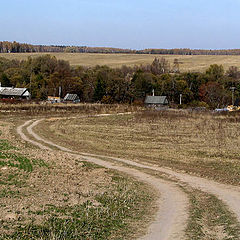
(60, 92)
(233, 89)
(180, 99)
(31, 76)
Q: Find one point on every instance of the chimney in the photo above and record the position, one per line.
(153, 92)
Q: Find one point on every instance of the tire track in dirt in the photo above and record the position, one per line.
(25, 138)
(171, 218)
(230, 195)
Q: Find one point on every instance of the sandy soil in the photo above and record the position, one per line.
(170, 220)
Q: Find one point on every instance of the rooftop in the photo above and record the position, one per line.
(71, 97)
(156, 100)
(9, 91)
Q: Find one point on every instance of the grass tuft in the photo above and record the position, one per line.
(106, 217)
(210, 219)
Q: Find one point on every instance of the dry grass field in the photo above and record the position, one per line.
(52, 195)
(188, 63)
(48, 109)
(203, 144)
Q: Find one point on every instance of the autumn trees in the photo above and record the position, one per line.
(45, 74)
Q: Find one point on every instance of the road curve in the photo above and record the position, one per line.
(25, 138)
(230, 195)
(171, 218)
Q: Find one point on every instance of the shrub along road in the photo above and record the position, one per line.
(170, 221)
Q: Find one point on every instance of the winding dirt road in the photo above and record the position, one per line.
(172, 215)
(170, 220)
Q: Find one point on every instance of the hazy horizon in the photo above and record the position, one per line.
(123, 24)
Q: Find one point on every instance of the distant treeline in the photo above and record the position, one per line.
(15, 47)
(44, 75)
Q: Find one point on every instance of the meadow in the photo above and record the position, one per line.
(63, 197)
(204, 144)
(64, 110)
(191, 63)
(50, 195)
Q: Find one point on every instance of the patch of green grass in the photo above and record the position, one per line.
(16, 161)
(6, 193)
(124, 202)
(5, 145)
(90, 166)
(40, 163)
(208, 216)
(16, 179)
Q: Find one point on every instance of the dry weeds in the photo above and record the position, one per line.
(54, 186)
(43, 108)
(200, 143)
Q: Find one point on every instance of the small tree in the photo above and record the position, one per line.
(213, 94)
(100, 90)
(215, 73)
(4, 80)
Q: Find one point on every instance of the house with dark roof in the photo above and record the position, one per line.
(74, 98)
(14, 93)
(156, 101)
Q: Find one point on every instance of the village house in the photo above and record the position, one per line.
(74, 98)
(14, 93)
(156, 101)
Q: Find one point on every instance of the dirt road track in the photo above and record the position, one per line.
(230, 195)
(171, 219)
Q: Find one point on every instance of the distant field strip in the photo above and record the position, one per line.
(187, 63)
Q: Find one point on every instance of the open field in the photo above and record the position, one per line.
(209, 217)
(64, 109)
(204, 144)
(188, 63)
(62, 195)
(51, 195)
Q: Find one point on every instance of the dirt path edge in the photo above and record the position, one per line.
(171, 218)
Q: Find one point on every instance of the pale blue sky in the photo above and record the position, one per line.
(135, 24)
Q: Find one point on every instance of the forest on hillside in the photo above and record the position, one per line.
(15, 47)
(43, 75)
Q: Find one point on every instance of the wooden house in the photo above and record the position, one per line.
(156, 101)
(14, 93)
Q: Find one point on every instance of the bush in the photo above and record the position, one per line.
(196, 103)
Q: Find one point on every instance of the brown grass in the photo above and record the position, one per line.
(204, 144)
(26, 109)
(51, 185)
(188, 63)
(192, 142)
